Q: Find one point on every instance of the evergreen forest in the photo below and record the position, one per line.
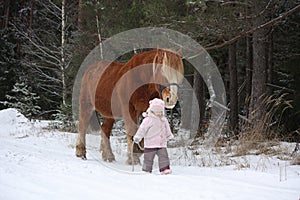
(255, 44)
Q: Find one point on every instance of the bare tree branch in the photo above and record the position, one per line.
(246, 33)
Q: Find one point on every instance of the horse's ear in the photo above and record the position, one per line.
(159, 51)
(179, 52)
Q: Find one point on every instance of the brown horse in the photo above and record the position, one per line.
(123, 91)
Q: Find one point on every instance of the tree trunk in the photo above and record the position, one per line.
(249, 69)
(259, 75)
(63, 55)
(31, 17)
(233, 89)
(99, 33)
(80, 15)
(199, 93)
(6, 13)
(269, 55)
(186, 106)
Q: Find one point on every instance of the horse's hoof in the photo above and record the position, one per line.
(135, 161)
(110, 158)
(81, 151)
(82, 156)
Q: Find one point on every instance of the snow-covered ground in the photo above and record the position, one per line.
(37, 163)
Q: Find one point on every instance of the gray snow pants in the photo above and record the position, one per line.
(163, 159)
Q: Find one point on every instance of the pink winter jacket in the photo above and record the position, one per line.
(155, 131)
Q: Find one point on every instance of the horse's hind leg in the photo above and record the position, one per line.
(85, 113)
(105, 147)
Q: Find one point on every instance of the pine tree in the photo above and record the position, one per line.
(24, 100)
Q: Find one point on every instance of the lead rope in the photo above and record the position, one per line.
(132, 159)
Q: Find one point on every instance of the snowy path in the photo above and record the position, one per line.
(39, 164)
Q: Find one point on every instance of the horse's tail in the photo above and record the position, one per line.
(95, 123)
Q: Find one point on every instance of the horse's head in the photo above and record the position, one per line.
(166, 96)
(168, 64)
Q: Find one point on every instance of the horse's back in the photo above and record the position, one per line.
(95, 73)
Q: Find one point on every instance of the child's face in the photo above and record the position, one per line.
(158, 113)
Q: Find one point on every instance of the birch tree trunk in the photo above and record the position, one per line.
(99, 34)
(31, 16)
(63, 55)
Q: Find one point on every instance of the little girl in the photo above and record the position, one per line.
(155, 130)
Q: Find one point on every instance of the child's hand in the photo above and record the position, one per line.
(170, 137)
(136, 139)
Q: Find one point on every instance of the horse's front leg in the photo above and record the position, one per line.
(135, 153)
(105, 147)
(133, 158)
(85, 113)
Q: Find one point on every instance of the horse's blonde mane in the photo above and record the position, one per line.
(172, 67)
(154, 68)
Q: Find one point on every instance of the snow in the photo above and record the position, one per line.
(38, 163)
